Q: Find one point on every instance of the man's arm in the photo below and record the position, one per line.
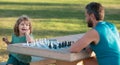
(90, 36)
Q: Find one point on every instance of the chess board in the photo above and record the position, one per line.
(58, 53)
(49, 44)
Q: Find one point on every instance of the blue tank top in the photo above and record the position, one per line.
(108, 48)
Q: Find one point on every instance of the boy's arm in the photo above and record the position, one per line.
(29, 37)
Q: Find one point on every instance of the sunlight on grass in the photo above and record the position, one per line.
(54, 27)
(40, 6)
(65, 1)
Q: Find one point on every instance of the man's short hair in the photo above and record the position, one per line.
(97, 9)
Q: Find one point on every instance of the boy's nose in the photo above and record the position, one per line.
(24, 25)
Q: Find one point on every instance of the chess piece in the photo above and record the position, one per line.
(59, 45)
(69, 43)
(54, 46)
(63, 44)
(50, 46)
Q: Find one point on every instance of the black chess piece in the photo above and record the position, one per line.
(69, 43)
(60, 45)
(54, 46)
(50, 46)
(63, 44)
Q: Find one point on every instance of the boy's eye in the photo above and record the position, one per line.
(22, 24)
(27, 24)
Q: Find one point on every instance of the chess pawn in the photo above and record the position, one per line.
(41, 41)
(63, 44)
(59, 45)
(28, 43)
(54, 46)
(50, 46)
(47, 42)
(69, 43)
(36, 42)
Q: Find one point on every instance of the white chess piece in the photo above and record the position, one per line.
(27, 43)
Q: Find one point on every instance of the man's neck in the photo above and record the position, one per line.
(96, 22)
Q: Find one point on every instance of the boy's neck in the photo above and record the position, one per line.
(21, 34)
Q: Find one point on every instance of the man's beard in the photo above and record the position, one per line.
(90, 24)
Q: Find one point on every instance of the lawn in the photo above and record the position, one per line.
(50, 18)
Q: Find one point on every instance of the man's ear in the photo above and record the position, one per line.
(92, 16)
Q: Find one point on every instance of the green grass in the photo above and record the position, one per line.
(51, 18)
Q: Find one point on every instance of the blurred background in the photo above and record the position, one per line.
(51, 18)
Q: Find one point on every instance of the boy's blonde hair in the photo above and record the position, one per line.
(20, 19)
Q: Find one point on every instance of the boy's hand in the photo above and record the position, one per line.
(5, 39)
(27, 32)
(28, 37)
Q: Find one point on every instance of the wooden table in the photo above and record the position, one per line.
(61, 55)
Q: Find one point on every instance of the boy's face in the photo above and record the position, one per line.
(24, 27)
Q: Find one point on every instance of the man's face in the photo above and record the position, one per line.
(88, 20)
